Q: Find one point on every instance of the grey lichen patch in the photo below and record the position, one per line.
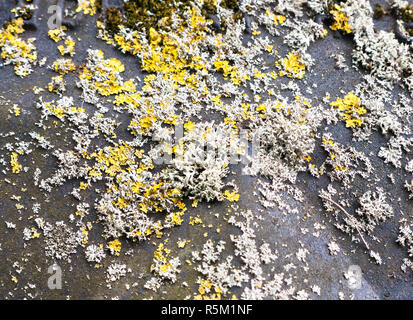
(61, 240)
(409, 187)
(405, 237)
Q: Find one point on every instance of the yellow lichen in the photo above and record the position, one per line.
(16, 50)
(208, 291)
(15, 166)
(293, 66)
(68, 48)
(231, 196)
(351, 108)
(87, 7)
(57, 34)
(340, 20)
(115, 246)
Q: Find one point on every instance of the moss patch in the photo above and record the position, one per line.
(379, 12)
(407, 13)
(230, 4)
(146, 14)
(152, 13)
(209, 7)
(113, 19)
(25, 13)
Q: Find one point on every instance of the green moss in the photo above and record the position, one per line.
(379, 12)
(152, 13)
(230, 4)
(407, 73)
(407, 13)
(146, 14)
(209, 7)
(25, 13)
(238, 16)
(113, 19)
(98, 4)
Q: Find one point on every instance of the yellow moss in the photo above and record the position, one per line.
(208, 291)
(85, 234)
(330, 142)
(227, 70)
(87, 7)
(259, 75)
(116, 246)
(15, 166)
(217, 100)
(35, 234)
(160, 256)
(64, 66)
(176, 218)
(189, 126)
(57, 34)
(193, 221)
(111, 85)
(350, 105)
(231, 196)
(182, 243)
(340, 20)
(68, 48)
(262, 108)
(293, 66)
(21, 50)
(277, 18)
(57, 85)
